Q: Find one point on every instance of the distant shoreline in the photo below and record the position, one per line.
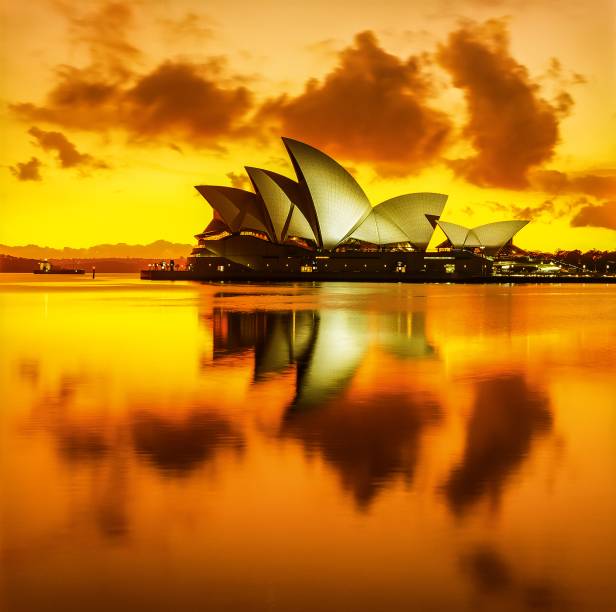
(10, 264)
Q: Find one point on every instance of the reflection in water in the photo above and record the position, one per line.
(327, 346)
(176, 448)
(111, 503)
(404, 335)
(368, 440)
(492, 576)
(278, 339)
(507, 416)
(488, 570)
(369, 443)
(77, 444)
(29, 370)
(89, 439)
(173, 446)
(337, 345)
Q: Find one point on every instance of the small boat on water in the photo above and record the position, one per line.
(59, 271)
(46, 268)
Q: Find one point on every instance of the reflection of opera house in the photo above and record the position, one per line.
(326, 346)
(322, 226)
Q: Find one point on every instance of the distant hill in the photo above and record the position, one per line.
(17, 264)
(160, 249)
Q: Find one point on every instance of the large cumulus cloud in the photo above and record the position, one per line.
(373, 107)
(556, 182)
(176, 100)
(510, 125)
(599, 215)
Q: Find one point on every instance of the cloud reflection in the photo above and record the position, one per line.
(101, 448)
(177, 448)
(371, 440)
(493, 577)
(81, 444)
(507, 416)
(369, 443)
(277, 338)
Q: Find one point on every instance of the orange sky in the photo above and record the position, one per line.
(112, 111)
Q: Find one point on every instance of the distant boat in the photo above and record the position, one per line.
(58, 271)
(45, 268)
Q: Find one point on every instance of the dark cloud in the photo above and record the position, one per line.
(106, 32)
(27, 171)
(559, 81)
(184, 99)
(557, 73)
(552, 209)
(68, 155)
(549, 209)
(181, 101)
(555, 182)
(238, 180)
(80, 99)
(600, 215)
(175, 100)
(512, 128)
(372, 107)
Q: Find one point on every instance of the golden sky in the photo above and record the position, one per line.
(112, 111)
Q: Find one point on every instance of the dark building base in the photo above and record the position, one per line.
(188, 275)
(281, 264)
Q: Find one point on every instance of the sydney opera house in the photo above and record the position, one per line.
(322, 226)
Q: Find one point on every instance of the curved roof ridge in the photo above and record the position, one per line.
(472, 240)
(364, 231)
(297, 194)
(281, 195)
(409, 212)
(497, 233)
(517, 222)
(383, 213)
(275, 202)
(338, 201)
(239, 208)
(455, 233)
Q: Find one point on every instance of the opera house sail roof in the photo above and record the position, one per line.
(491, 237)
(326, 208)
(339, 202)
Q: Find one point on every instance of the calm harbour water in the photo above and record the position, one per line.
(342, 447)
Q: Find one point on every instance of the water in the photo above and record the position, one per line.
(343, 447)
